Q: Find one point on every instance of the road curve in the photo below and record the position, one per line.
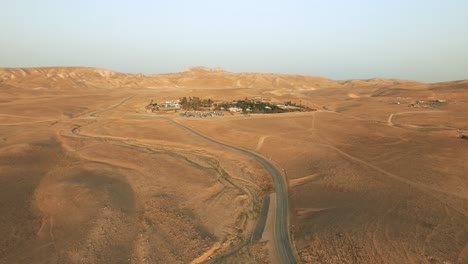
(282, 241)
(390, 118)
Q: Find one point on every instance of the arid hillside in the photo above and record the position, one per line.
(374, 173)
(195, 77)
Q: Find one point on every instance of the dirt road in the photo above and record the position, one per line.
(390, 118)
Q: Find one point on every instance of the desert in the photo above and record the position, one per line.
(356, 171)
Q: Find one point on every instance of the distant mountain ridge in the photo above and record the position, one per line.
(194, 77)
(203, 69)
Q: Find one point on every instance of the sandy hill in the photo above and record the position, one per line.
(376, 175)
(59, 79)
(195, 77)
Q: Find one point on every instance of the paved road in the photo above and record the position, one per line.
(282, 242)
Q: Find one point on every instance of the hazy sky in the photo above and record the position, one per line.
(423, 40)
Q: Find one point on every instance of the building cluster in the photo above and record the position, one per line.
(167, 105)
(234, 109)
(171, 104)
(199, 107)
(431, 103)
(289, 107)
(201, 114)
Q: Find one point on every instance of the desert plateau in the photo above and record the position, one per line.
(211, 166)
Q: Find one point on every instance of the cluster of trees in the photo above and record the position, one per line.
(289, 103)
(298, 107)
(246, 105)
(152, 106)
(195, 103)
(250, 106)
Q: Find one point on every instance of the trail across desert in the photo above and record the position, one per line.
(105, 167)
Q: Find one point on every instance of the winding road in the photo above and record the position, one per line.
(282, 241)
(281, 231)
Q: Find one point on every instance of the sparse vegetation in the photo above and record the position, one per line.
(195, 103)
(262, 107)
(245, 106)
(430, 103)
